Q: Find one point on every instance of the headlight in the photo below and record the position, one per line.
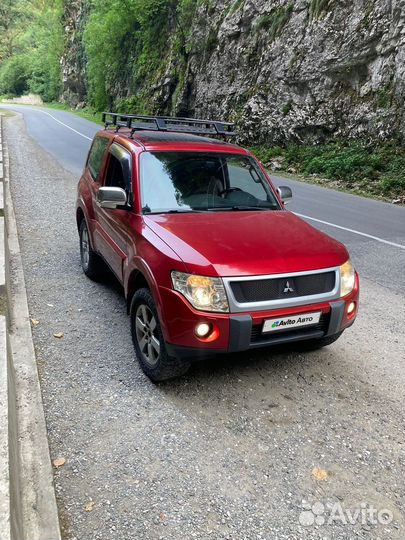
(347, 278)
(205, 293)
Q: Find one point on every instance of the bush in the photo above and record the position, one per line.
(375, 169)
(15, 74)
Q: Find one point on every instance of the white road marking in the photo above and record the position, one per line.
(352, 231)
(61, 123)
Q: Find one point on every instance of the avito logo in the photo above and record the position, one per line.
(290, 322)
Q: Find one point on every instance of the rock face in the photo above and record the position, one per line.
(289, 70)
(73, 61)
(307, 70)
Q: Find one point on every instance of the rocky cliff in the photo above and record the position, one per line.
(284, 70)
(73, 60)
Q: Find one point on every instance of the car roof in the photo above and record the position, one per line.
(160, 140)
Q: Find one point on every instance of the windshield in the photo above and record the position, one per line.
(196, 181)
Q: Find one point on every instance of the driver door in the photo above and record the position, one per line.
(112, 225)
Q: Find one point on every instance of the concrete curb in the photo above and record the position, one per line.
(5, 521)
(28, 508)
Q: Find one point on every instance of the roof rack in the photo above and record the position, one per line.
(136, 122)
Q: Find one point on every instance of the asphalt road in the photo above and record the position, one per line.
(350, 219)
(228, 451)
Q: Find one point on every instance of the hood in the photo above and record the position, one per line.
(246, 243)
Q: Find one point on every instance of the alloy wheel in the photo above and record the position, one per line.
(85, 248)
(147, 334)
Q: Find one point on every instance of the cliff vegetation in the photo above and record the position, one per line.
(317, 84)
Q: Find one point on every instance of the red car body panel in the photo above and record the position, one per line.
(247, 243)
(224, 244)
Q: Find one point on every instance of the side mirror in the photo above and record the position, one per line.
(111, 197)
(285, 194)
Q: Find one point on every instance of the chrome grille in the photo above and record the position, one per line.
(262, 290)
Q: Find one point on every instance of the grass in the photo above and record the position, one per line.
(88, 113)
(318, 8)
(235, 7)
(275, 21)
(365, 169)
(6, 112)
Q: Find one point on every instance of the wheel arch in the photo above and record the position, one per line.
(136, 281)
(79, 217)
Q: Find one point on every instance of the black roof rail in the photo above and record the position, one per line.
(136, 122)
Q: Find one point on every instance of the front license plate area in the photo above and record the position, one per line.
(291, 321)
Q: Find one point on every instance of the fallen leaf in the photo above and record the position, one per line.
(34, 322)
(319, 474)
(58, 335)
(89, 506)
(162, 516)
(59, 462)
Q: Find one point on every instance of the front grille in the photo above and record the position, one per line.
(262, 290)
(257, 335)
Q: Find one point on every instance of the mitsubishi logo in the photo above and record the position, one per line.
(288, 287)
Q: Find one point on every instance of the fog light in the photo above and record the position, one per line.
(202, 330)
(351, 307)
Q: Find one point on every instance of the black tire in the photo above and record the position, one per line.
(314, 344)
(92, 264)
(157, 365)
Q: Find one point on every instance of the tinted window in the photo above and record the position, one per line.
(115, 175)
(192, 181)
(96, 156)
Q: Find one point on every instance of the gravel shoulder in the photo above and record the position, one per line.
(227, 451)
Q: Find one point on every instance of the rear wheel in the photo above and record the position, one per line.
(92, 264)
(148, 340)
(314, 344)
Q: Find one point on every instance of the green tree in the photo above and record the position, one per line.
(45, 43)
(12, 21)
(129, 47)
(31, 44)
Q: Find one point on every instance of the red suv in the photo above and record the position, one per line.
(209, 258)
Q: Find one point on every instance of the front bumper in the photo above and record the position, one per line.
(243, 331)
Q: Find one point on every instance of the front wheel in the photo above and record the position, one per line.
(148, 340)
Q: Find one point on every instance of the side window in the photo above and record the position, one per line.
(115, 174)
(96, 156)
(119, 170)
(241, 174)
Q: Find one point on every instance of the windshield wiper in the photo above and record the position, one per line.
(173, 211)
(238, 208)
(176, 211)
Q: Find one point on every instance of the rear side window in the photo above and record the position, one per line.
(96, 156)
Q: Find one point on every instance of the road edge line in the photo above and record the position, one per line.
(353, 231)
(33, 509)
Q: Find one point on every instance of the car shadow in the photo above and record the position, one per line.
(269, 363)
